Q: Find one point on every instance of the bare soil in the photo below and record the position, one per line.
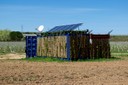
(19, 72)
(12, 56)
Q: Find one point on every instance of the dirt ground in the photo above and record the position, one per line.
(12, 56)
(19, 72)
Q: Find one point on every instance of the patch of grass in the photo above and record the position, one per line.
(123, 56)
(120, 54)
(50, 59)
(2, 53)
(44, 59)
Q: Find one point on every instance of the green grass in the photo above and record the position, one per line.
(120, 54)
(117, 38)
(44, 59)
(49, 59)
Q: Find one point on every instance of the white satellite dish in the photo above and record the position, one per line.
(40, 28)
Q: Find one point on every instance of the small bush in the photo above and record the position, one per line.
(16, 36)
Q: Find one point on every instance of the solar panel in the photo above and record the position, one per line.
(74, 26)
(53, 29)
(59, 28)
(65, 27)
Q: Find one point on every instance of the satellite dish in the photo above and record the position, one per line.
(40, 28)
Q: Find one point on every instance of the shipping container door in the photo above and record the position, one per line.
(31, 46)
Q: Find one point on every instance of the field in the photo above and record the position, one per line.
(12, 47)
(118, 38)
(23, 72)
(119, 47)
(17, 72)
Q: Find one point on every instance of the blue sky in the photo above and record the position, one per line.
(100, 16)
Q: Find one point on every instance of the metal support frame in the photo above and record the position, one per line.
(68, 46)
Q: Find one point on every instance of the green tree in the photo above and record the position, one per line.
(16, 36)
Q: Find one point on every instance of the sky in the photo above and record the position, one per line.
(100, 16)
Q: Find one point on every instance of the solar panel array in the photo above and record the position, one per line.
(65, 27)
